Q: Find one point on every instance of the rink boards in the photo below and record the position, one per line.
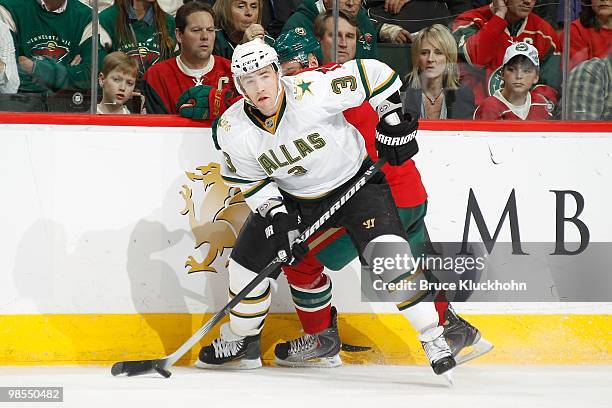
(98, 226)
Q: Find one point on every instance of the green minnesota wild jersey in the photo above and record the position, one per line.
(144, 48)
(52, 41)
(307, 149)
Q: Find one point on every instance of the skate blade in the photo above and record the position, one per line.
(477, 349)
(448, 376)
(232, 365)
(323, 362)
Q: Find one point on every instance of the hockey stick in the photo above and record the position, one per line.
(161, 365)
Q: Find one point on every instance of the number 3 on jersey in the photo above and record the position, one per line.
(344, 82)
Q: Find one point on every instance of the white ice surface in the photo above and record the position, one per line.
(356, 386)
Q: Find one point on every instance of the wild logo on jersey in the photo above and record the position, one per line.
(496, 81)
(222, 213)
(366, 41)
(142, 54)
(50, 49)
(283, 155)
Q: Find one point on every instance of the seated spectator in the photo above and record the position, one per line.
(590, 90)
(483, 34)
(239, 21)
(195, 69)
(431, 90)
(516, 100)
(274, 14)
(591, 35)
(139, 28)
(348, 32)
(53, 43)
(308, 10)
(9, 78)
(415, 15)
(117, 79)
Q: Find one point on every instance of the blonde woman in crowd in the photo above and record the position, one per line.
(238, 21)
(432, 89)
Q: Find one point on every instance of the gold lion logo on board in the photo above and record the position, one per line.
(221, 215)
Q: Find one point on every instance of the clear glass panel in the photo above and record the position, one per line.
(59, 73)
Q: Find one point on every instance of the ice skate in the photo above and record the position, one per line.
(437, 350)
(464, 340)
(312, 350)
(231, 351)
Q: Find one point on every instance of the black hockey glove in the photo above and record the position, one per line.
(281, 234)
(282, 231)
(397, 143)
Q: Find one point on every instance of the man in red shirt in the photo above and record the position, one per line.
(195, 72)
(310, 287)
(483, 34)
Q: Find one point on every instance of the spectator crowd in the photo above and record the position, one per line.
(464, 58)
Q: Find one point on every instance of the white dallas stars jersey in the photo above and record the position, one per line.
(307, 149)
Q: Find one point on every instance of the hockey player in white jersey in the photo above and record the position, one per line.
(288, 147)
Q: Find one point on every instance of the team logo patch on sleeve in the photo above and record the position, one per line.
(301, 88)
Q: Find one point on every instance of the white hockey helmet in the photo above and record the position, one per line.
(250, 57)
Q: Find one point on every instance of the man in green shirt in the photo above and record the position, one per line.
(308, 10)
(53, 48)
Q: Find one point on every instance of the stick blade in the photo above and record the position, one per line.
(351, 348)
(141, 367)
